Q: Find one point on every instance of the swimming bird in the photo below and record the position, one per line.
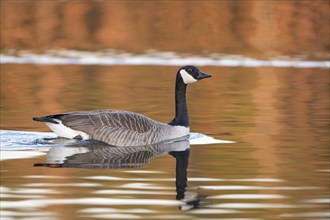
(124, 128)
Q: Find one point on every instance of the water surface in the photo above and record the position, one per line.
(269, 96)
(278, 167)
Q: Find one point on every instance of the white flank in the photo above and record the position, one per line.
(187, 78)
(66, 132)
(180, 131)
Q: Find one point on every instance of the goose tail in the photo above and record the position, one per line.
(45, 119)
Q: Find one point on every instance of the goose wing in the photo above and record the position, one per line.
(84, 121)
(113, 127)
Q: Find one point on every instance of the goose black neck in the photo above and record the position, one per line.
(181, 111)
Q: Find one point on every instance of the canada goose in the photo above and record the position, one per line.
(123, 128)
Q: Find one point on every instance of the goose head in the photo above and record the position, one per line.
(191, 74)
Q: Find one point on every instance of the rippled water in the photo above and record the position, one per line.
(277, 166)
(268, 103)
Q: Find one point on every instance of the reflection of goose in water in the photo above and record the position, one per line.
(97, 155)
(190, 200)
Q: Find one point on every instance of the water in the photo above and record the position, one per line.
(259, 147)
(276, 168)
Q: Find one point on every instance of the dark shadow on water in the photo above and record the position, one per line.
(98, 155)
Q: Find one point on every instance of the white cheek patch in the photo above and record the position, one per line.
(187, 78)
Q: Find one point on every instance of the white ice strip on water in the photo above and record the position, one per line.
(237, 187)
(7, 195)
(18, 154)
(62, 184)
(105, 178)
(113, 210)
(34, 191)
(40, 203)
(111, 216)
(5, 214)
(144, 171)
(257, 180)
(307, 215)
(213, 211)
(253, 206)
(24, 140)
(4, 189)
(45, 177)
(248, 196)
(145, 186)
(201, 179)
(191, 179)
(132, 192)
(325, 200)
(324, 171)
(111, 57)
